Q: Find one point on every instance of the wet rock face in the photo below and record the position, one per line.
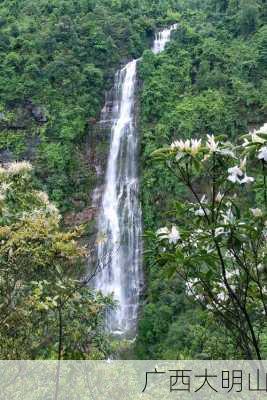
(37, 112)
(6, 156)
(97, 145)
(82, 217)
(18, 120)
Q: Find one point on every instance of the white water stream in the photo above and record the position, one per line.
(120, 223)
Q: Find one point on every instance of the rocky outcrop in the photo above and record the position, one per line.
(82, 217)
(6, 156)
(37, 112)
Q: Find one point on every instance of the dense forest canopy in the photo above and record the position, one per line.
(58, 58)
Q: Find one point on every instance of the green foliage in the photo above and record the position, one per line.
(60, 57)
(220, 247)
(210, 79)
(47, 311)
(57, 60)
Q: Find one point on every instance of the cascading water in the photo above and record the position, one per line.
(119, 251)
(162, 38)
(120, 224)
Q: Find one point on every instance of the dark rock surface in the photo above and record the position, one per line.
(37, 112)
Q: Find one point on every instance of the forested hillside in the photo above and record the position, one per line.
(210, 80)
(58, 60)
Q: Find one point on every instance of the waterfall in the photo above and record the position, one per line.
(162, 38)
(119, 248)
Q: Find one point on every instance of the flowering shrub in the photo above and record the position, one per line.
(218, 239)
(47, 308)
(18, 198)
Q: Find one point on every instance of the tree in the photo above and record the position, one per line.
(248, 16)
(47, 307)
(218, 244)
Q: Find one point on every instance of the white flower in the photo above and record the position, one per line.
(212, 145)
(43, 197)
(227, 152)
(200, 297)
(210, 249)
(228, 275)
(219, 231)
(236, 174)
(232, 274)
(222, 296)
(204, 199)
(261, 267)
(52, 209)
(163, 233)
(5, 186)
(3, 189)
(189, 146)
(190, 285)
(195, 146)
(235, 171)
(178, 144)
(16, 168)
(233, 178)
(174, 235)
(245, 143)
(219, 197)
(200, 212)
(257, 212)
(263, 154)
(3, 171)
(247, 179)
(256, 139)
(243, 164)
(228, 217)
(262, 129)
(179, 155)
